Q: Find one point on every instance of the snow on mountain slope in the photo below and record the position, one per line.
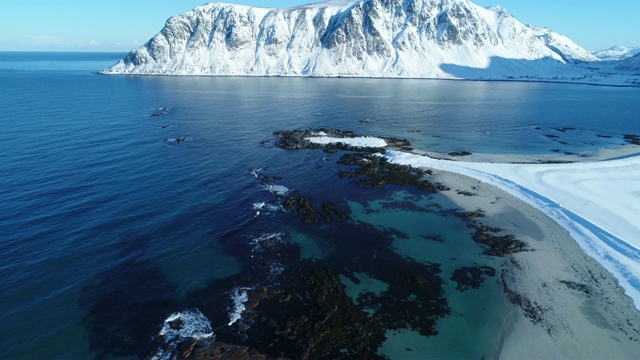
(563, 46)
(632, 63)
(447, 39)
(617, 53)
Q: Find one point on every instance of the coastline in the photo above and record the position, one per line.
(604, 154)
(594, 319)
(626, 83)
(564, 303)
(569, 259)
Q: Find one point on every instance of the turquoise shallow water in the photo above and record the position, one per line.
(431, 237)
(109, 226)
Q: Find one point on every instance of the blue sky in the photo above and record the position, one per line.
(118, 25)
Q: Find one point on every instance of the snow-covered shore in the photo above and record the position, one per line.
(583, 311)
(596, 202)
(363, 141)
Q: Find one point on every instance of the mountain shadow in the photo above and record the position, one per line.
(501, 68)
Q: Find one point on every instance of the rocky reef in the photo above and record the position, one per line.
(632, 139)
(300, 139)
(299, 308)
(374, 172)
(471, 277)
(497, 245)
(287, 306)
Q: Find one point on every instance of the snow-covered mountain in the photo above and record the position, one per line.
(617, 53)
(387, 38)
(446, 39)
(563, 46)
(632, 63)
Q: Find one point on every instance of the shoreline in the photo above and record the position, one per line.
(569, 279)
(603, 154)
(514, 80)
(581, 309)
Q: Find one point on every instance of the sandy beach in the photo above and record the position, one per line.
(584, 312)
(573, 292)
(565, 305)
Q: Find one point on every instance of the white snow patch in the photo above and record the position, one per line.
(597, 202)
(363, 141)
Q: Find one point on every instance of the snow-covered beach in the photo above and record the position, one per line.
(579, 219)
(596, 202)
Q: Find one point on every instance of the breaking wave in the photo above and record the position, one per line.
(277, 189)
(180, 326)
(239, 296)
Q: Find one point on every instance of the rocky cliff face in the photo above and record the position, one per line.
(382, 38)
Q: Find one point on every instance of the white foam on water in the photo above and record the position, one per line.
(239, 297)
(275, 268)
(277, 189)
(263, 206)
(255, 172)
(187, 324)
(257, 242)
(182, 325)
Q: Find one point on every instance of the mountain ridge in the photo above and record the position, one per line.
(616, 53)
(356, 38)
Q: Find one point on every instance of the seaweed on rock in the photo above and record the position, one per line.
(303, 207)
(497, 245)
(632, 139)
(459, 153)
(374, 172)
(314, 318)
(471, 277)
(304, 310)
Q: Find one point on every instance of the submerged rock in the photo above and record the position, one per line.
(471, 277)
(303, 207)
(215, 350)
(313, 318)
(472, 214)
(632, 139)
(497, 245)
(459, 153)
(375, 172)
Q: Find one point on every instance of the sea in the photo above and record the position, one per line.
(132, 201)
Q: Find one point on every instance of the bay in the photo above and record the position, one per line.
(110, 225)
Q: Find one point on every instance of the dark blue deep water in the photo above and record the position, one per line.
(108, 225)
